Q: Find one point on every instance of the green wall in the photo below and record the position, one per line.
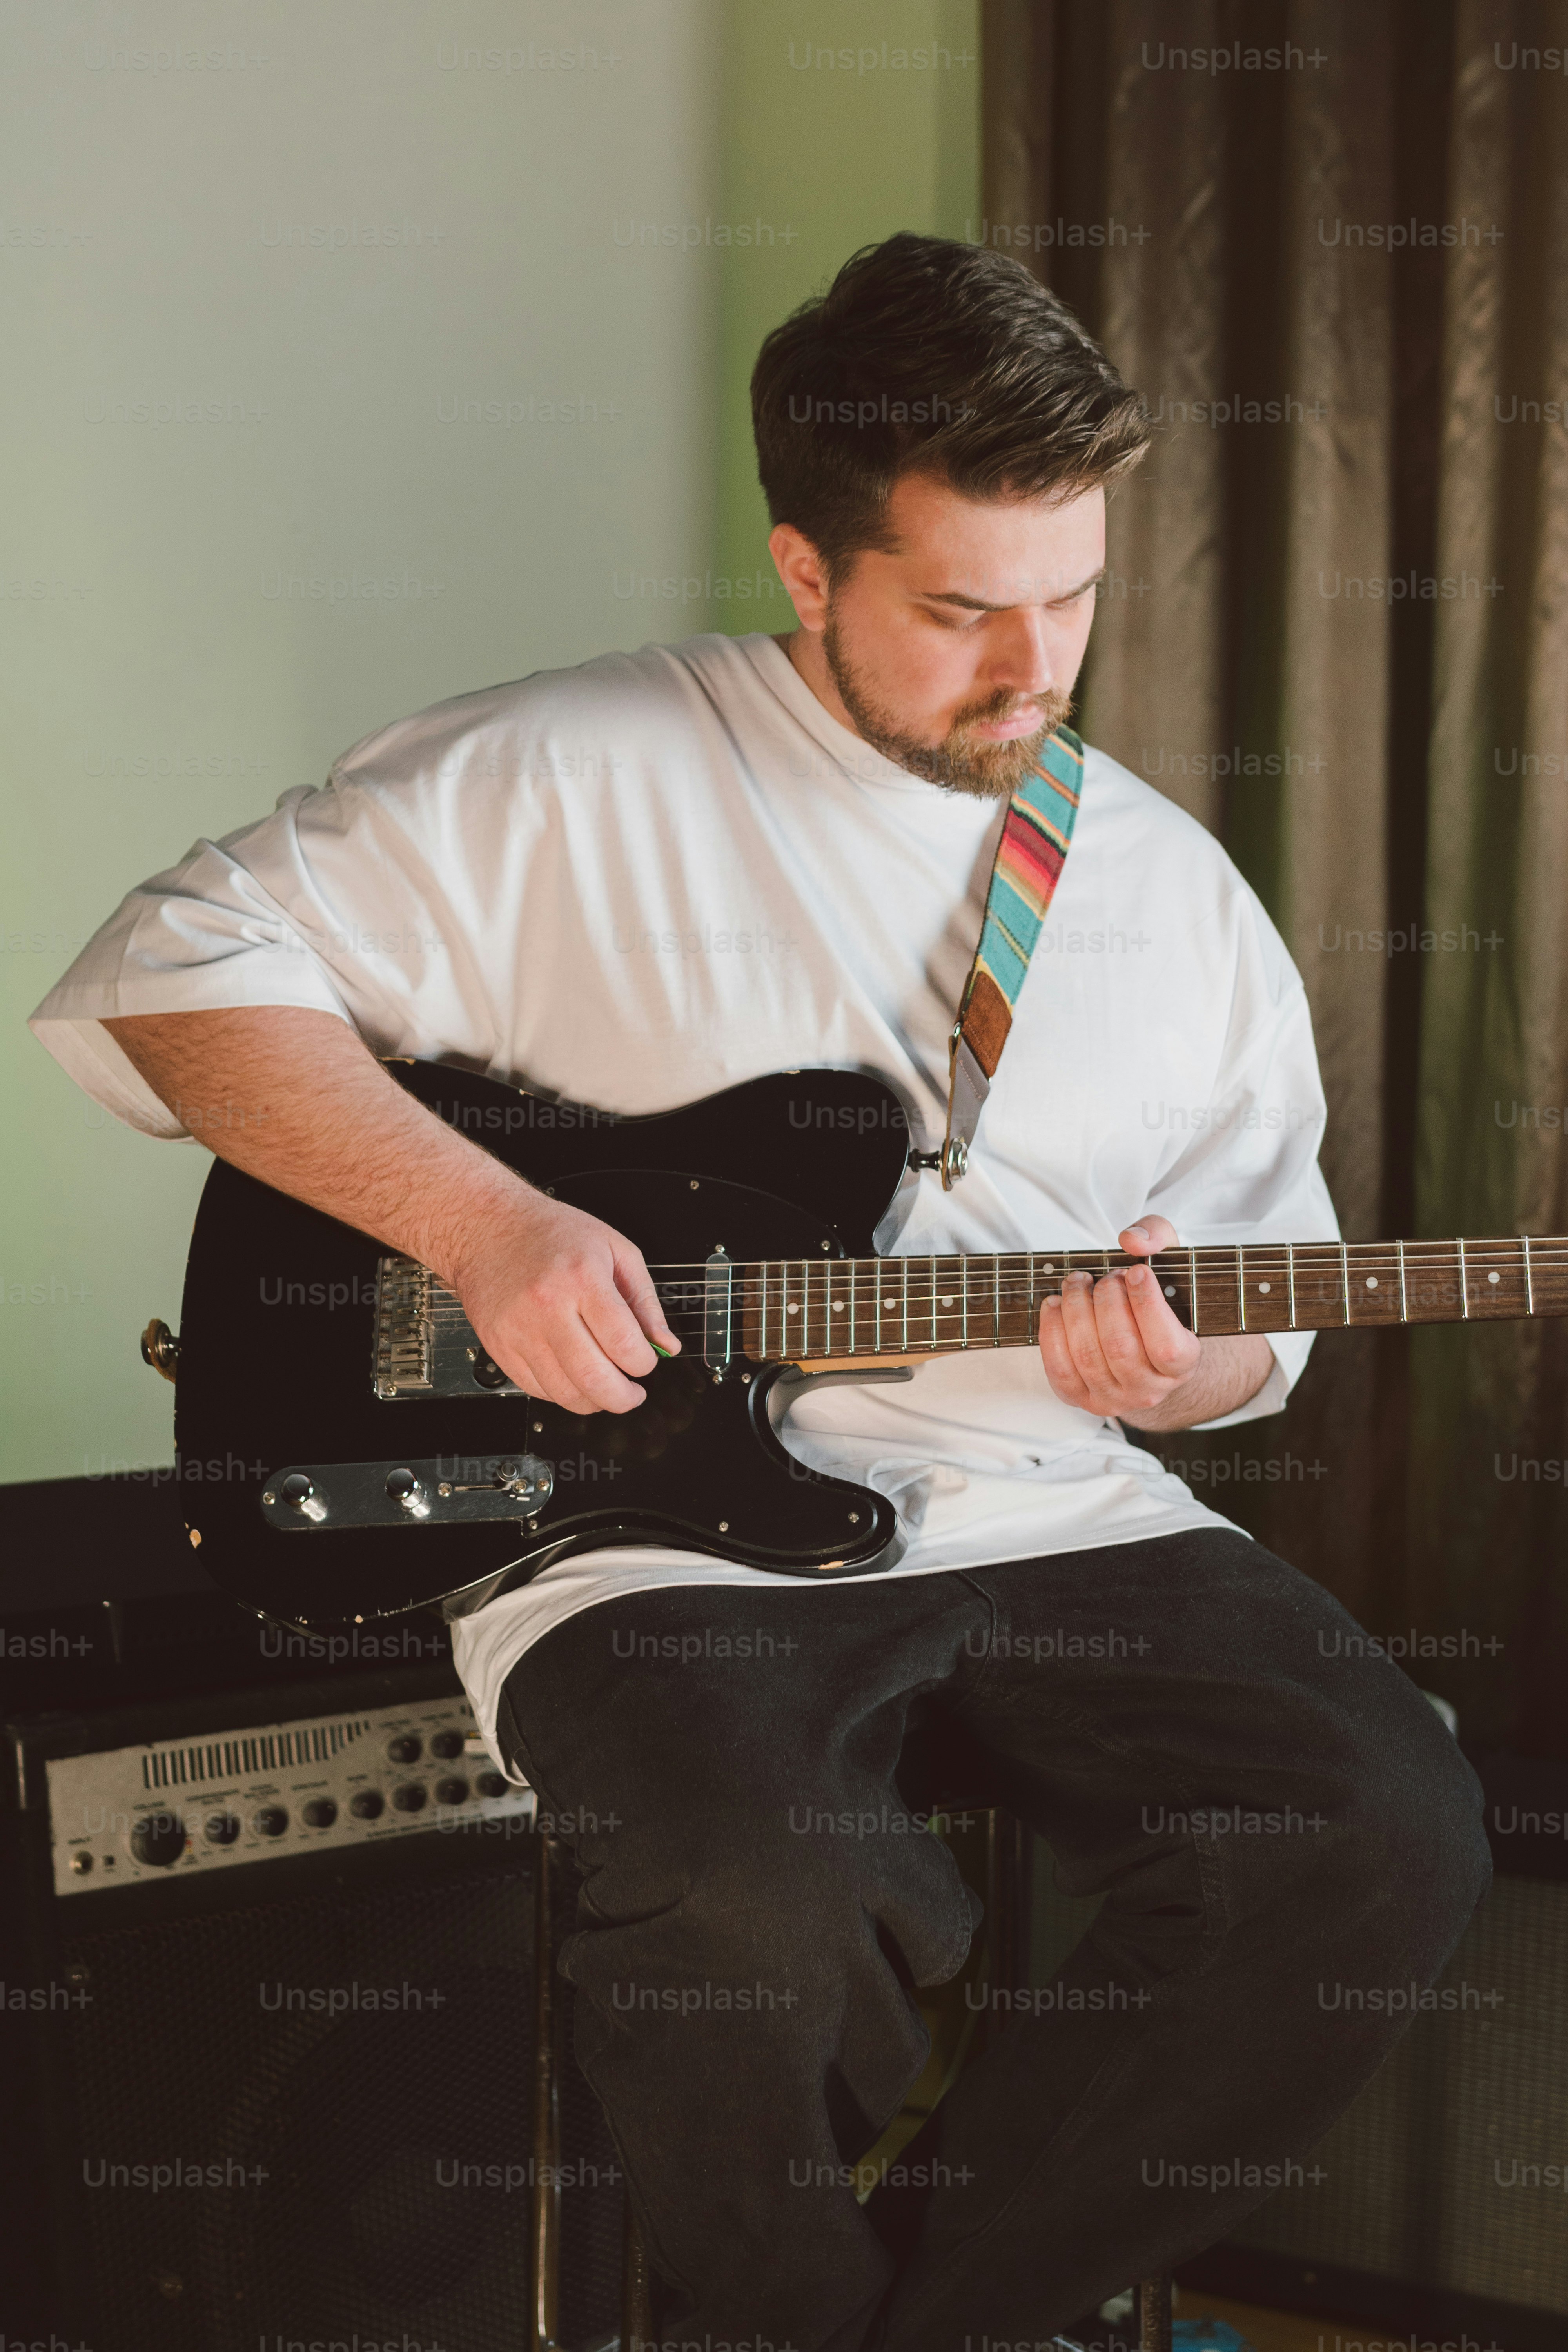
(193, 199)
(841, 155)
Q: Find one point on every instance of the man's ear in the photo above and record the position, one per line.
(804, 574)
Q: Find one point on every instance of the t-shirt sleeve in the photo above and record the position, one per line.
(331, 904)
(1243, 1169)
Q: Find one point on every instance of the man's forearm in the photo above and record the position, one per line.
(308, 1109)
(1230, 1371)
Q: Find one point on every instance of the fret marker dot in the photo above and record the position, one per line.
(1266, 1287)
(1371, 1282)
(887, 1304)
(948, 1302)
(1494, 1277)
(838, 1306)
(1170, 1290)
(792, 1308)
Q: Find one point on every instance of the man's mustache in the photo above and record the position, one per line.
(1048, 707)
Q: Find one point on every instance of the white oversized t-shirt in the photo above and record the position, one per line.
(663, 873)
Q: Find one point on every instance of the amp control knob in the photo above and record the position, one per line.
(159, 1840)
(272, 1820)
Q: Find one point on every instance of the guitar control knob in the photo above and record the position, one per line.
(300, 1493)
(159, 1840)
(403, 1487)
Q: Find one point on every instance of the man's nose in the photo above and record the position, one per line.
(1024, 658)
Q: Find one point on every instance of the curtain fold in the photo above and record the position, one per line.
(1328, 239)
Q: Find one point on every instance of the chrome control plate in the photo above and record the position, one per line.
(451, 1490)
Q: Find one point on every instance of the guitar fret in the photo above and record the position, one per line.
(1193, 1286)
(1241, 1284)
(1403, 1306)
(1529, 1282)
(996, 1302)
(1290, 1271)
(1464, 1286)
(1345, 1278)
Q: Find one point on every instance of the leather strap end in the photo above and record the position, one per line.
(987, 1018)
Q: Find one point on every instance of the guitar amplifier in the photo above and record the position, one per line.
(1439, 2212)
(269, 2027)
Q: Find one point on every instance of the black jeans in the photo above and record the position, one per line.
(1273, 1815)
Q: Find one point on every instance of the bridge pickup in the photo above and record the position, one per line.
(455, 1489)
(425, 1345)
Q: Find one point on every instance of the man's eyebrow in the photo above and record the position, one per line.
(979, 604)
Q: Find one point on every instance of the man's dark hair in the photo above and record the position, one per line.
(929, 356)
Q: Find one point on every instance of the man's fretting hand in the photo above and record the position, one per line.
(1112, 1346)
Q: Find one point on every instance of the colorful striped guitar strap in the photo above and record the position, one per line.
(1030, 855)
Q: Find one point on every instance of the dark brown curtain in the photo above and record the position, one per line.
(1328, 239)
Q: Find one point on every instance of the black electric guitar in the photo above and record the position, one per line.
(388, 1464)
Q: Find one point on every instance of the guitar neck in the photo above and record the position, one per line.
(886, 1309)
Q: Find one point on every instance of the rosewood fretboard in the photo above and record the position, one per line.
(851, 1308)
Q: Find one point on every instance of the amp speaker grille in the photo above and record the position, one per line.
(1448, 2172)
(358, 2074)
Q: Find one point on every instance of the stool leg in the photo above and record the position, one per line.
(1152, 2314)
(546, 2190)
(637, 2288)
(1008, 1886)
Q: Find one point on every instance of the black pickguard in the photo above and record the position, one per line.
(275, 1350)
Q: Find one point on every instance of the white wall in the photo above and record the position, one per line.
(158, 680)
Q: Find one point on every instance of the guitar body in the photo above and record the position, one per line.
(278, 1360)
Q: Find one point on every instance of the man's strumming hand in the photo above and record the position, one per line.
(565, 1304)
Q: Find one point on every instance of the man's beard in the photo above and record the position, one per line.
(963, 761)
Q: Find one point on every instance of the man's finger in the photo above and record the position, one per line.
(615, 1327)
(1148, 1234)
(1170, 1347)
(546, 1378)
(1080, 1326)
(581, 1356)
(1120, 1341)
(1056, 1357)
(635, 1286)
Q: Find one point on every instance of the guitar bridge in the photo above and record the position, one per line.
(425, 1345)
